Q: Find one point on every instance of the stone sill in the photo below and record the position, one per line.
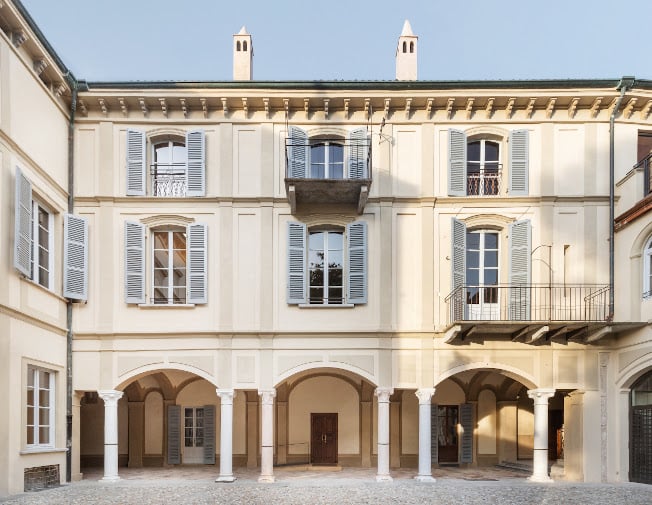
(166, 306)
(341, 306)
(41, 450)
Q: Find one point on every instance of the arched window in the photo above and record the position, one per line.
(404, 47)
(482, 273)
(327, 158)
(169, 266)
(483, 167)
(169, 161)
(326, 266)
(237, 46)
(647, 270)
(244, 45)
(411, 47)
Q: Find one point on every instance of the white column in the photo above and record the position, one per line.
(425, 457)
(540, 457)
(383, 395)
(110, 398)
(226, 435)
(267, 436)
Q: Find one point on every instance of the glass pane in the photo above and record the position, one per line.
(317, 171)
(491, 258)
(188, 413)
(335, 296)
(162, 154)
(491, 295)
(30, 415)
(30, 434)
(160, 240)
(472, 259)
(44, 417)
(315, 258)
(473, 151)
(44, 380)
(179, 295)
(490, 151)
(43, 220)
(335, 259)
(44, 398)
(161, 259)
(335, 277)
(316, 240)
(179, 277)
(337, 171)
(318, 153)
(179, 240)
(335, 241)
(336, 154)
(30, 377)
(179, 258)
(472, 295)
(43, 258)
(491, 276)
(317, 277)
(491, 241)
(179, 153)
(44, 435)
(472, 277)
(473, 241)
(160, 295)
(199, 413)
(30, 397)
(160, 277)
(43, 237)
(473, 168)
(316, 295)
(199, 441)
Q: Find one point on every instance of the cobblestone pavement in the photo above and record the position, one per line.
(351, 486)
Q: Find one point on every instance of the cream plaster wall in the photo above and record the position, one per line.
(486, 422)
(409, 423)
(154, 423)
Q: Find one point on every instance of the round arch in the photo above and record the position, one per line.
(513, 373)
(634, 371)
(325, 367)
(142, 371)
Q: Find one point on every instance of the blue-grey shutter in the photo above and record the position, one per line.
(75, 258)
(356, 238)
(209, 434)
(136, 159)
(456, 162)
(434, 433)
(23, 225)
(197, 263)
(358, 154)
(297, 263)
(466, 420)
(196, 170)
(134, 262)
(458, 270)
(518, 162)
(298, 153)
(520, 262)
(174, 434)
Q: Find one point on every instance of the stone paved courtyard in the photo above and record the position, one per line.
(195, 485)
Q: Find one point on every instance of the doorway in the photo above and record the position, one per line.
(323, 439)
(193, 435)
(447, 439)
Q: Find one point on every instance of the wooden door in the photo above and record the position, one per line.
(323, 437)
(447, 438)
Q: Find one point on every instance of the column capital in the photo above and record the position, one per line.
(110, 396)
(424, 395)
(267, 396)
(383, 394)
(226, 395)
(541, 395)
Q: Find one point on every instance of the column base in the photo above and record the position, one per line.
(268, 479)
(225, 478)
(110, 479)
(384, 478)
(425, 478)
(539, 478)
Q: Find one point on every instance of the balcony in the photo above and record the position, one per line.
(327, 171)
(168, 180)
(483, 181)
(529, 312)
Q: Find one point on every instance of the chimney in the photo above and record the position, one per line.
(406, 54)
(243, 56)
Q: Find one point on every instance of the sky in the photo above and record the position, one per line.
(114, 40)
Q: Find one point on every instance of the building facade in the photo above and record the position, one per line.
(380, 274)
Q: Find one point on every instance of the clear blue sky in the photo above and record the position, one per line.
(349, 39)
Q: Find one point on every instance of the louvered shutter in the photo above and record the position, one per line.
(456, 163)
(197, 263)
(196, 170)
(358, 154)
(434, 433)
(297, 263)
(356, 249)
(458, 273)
(75, 258)
(520, 262)
(209, 434)
(466, 420)
(518, 162)
(134, 262)
(298, 153)
(174, 434)
(136, 162)
(23, 225)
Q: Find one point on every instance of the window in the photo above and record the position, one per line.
(322, 157)
(327, 265)
(483, 167)
(647, 270)
(34, 239)
(41, 267)
(475, 166)
(193, 427)
(168, 169)
(177, 165)
(482, 274)
(40, 407)
(178, 264)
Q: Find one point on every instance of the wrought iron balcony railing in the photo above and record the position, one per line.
(528, 302)
(168, 179)
(483, 183)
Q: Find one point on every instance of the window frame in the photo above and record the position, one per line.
(170, 141)
(328, 165)
(170, 230)
(35, 266)
(483, 287)
(34, 371)
(482, 174)
(326, 269)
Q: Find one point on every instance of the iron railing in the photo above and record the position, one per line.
(528, 302)
(645, 165)
(168, 179)
(486, 182)
(355, 151)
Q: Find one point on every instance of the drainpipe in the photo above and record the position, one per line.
(71, 206)
(625, 83)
